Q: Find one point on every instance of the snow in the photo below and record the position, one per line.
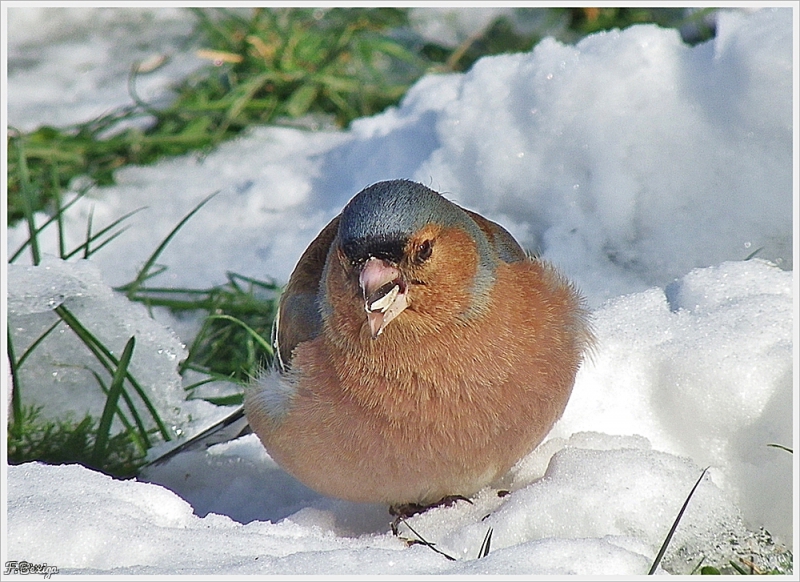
(612, 524)
(60, 375)
(645, 169)
(450, 26)
(87, 53)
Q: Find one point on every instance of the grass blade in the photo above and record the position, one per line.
(90, 239)
(121, 415)
(109, 362)
(230, 400)
(698, 566)
(30, 349)
(15, 365)
(664, 546)
(112, 398)
(486, 545)
(28, 205)
(260, 340)
(57, 217)
(104, 356)
(102, 244)
(754, 253)
(16, 395)
(144, 273)
(426, 543)
(87, 252)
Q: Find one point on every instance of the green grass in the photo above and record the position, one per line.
(267, 66)
(229, 346)
(277, 65)
(238, 316)
(68, 441)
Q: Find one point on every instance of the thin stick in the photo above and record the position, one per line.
(425, 542)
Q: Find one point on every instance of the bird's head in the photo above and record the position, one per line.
(401, 246)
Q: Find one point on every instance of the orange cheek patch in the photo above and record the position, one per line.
(447, 276)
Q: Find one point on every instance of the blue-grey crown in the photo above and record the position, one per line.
(395, 209)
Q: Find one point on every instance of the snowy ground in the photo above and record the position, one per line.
(645, 169)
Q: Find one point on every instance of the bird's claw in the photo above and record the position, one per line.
(403, 512)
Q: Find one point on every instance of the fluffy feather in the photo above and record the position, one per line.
(466, 378)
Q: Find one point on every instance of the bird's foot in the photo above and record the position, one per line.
(403, 512)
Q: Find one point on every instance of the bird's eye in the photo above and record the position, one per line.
(424, 251)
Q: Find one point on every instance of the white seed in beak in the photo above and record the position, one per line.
(385, 301)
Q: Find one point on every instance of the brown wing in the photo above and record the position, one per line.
(504, 244)
(299, 318)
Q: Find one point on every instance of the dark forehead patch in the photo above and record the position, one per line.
(394, 210)
(389, 247)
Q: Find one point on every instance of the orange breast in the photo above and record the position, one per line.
(431, 409)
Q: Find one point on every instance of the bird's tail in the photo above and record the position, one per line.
(229, 428)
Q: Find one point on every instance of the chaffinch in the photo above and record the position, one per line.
(420, 352)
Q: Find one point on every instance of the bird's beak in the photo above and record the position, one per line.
(385, 293)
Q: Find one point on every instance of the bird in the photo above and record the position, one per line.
(420, 353)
